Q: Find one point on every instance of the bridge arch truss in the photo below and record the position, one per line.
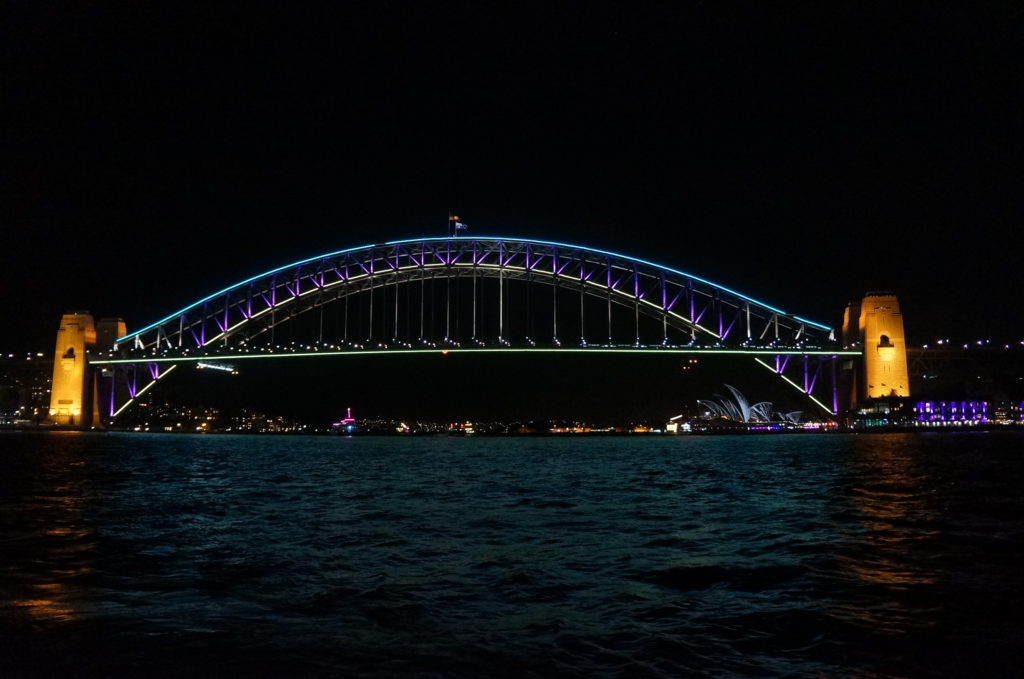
(405, 287)
(464, 293)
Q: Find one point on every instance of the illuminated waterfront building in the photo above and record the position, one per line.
(955, 412)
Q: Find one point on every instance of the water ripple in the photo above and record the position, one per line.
(797, 556)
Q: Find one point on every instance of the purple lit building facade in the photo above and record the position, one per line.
(944, 413)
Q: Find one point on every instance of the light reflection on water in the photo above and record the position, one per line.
(48, 546)
(897, 513)
(869, 555)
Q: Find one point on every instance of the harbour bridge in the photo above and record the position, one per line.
(465, 294)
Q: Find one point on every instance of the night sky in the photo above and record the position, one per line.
(153, 154)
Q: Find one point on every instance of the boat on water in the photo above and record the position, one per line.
(347, 425)
(460, 429)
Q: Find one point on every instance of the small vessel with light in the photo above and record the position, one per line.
(346, 425)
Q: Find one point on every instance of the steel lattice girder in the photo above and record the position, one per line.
(686, 302)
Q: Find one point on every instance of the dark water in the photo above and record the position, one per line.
(871, 555)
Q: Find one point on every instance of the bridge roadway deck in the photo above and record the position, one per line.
(656, 349)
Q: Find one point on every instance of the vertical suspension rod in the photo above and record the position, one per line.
(474, 292)
(693, 310)
(608, 282)
(554, 309)
(835, 387)
(501, 293)
(394, 336)
(807, 378)
(320, 296)
(554, 294)
(531, 322)
(369, 337)
(529, 305)
(583, 282)
(664, 311)
(636, 302)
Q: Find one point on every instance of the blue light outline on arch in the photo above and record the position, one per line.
(466, 238)
(622, 256)
(238, 285)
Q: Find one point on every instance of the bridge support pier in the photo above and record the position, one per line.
(875, 326)
(74, 391)
(68, 395)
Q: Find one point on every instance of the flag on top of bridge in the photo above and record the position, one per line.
(456, 222)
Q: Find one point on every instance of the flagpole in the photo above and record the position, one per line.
(454, 225)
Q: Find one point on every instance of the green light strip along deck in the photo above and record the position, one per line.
(485, 350)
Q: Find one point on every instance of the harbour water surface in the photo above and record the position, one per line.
(882, 555)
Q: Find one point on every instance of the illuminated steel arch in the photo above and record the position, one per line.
(479, 293)
(708, 313)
